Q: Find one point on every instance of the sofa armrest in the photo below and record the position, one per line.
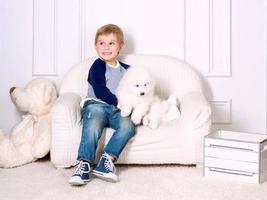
(68, 105)
(66, 119)
(195, 109)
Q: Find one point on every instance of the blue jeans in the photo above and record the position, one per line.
(96, 116)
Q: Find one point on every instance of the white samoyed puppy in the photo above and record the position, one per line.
(135, 93)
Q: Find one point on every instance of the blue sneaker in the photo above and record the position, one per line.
(81, 174)
(106, 169)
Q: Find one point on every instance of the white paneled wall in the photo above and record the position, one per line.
(220, 38)
(225, 41)
(44, 37)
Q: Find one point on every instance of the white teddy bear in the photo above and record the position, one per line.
(30, 139)
(162, 111)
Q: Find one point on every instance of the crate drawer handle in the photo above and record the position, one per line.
(229, 171)
(227, 147)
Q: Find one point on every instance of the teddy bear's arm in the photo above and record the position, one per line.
(42, 138)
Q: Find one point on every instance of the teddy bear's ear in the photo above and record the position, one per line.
(49, 94)
(20, 99)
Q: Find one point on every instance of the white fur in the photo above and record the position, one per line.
(30, 139)
(161, 112)
(135, 93)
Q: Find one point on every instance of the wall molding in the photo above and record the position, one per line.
(265, 48)
(221, 111)
(82, 22)
(184, 36)
(220, 42)
(44, 38)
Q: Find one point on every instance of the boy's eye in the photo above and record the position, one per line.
(112, 43)
(101, 43)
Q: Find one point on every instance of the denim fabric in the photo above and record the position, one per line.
(96, 116)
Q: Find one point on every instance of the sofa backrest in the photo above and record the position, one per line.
(172, 76)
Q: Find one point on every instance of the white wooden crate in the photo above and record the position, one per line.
(236, 156)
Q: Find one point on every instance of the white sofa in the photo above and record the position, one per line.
(179, 141)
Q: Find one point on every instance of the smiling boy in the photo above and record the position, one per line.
(100, 110)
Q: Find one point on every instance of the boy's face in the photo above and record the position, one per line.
(108, 47)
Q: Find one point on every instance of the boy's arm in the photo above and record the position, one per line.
(97, 79)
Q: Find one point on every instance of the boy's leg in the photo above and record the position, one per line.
(94, 121)
(124, 130)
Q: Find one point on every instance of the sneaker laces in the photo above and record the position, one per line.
(108, 163)
(81, 168)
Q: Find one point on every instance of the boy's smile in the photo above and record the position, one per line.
(108, 48)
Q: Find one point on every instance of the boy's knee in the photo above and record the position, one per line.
(128, 127)
(93, 124)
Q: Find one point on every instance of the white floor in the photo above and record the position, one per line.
(40, 180)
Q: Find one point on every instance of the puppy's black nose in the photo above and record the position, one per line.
(142, 93)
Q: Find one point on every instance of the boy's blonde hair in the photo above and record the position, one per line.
(110, 28)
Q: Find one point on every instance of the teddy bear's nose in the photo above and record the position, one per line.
(142, 93)
(11, 90)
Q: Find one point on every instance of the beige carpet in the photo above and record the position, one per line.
(40, 180)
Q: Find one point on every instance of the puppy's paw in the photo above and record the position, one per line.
(119, 106)
(136, 119)
(153, 125)
(125, 113)
(145, 120)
